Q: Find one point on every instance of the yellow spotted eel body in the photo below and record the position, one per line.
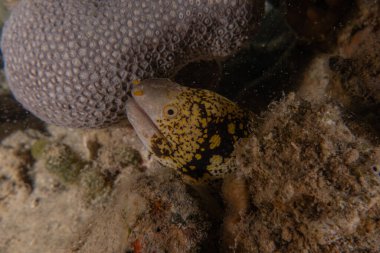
(191, 130)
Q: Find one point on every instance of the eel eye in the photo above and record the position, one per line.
(170, 111)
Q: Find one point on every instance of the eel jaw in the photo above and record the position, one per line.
(141, 123)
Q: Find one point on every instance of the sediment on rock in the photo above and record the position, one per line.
(313, 185)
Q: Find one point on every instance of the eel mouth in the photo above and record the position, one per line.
(141, 122)
(136, 113)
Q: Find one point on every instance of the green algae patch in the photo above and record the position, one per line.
(38, 148)
(128, 156)
(63, 162)
(94, 184)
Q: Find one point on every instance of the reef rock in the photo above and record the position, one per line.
(70, 62)
(312, 184)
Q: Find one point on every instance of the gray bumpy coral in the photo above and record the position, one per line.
(70, 61)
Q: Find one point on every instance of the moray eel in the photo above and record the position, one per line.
(190, 130)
